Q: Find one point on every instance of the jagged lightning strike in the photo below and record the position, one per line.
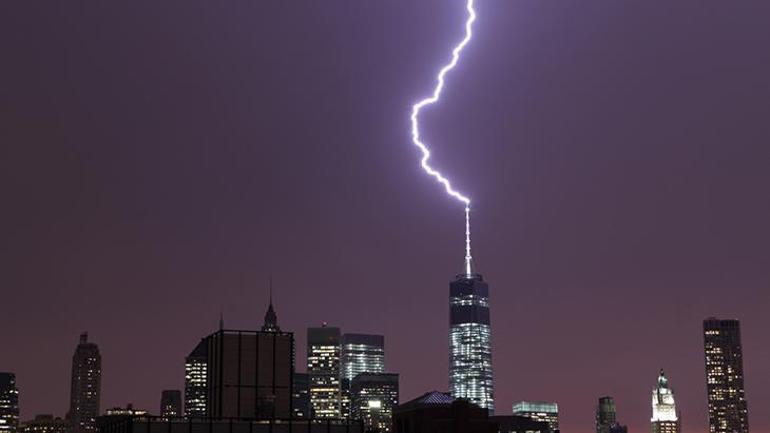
(416, 108)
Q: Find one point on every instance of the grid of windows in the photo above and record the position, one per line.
(728, 412)
(9, 403)
(470, 341)
(323, 368)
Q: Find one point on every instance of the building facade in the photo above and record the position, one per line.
(249, 374)
(373, 396)
(362, 353)
(171, 403)
(728, 411)
(539, 411)
(85, 390)
(9, 403)
(470, 341)
(323, 368)
(195, 372)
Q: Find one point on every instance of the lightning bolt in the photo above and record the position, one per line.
(434, 98)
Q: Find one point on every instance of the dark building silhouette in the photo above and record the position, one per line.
(470, 340)
(249, 374)
(323, 368)
(171, 403)
(728, 411)
(606, 417)
(196, 368)
(9, 403)
(271, 319)
(300, 396)
(85, 392)
(46, 424)
(154, 424)
(438, 412)
(373, 397)
(521, 424)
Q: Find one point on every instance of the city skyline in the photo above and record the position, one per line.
(160, 163)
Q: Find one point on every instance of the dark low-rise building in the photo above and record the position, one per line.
(520, 424)
(46, 424)
(154, 424)
(439, 412)
(171, 403)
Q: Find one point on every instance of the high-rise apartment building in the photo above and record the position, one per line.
(323, 368)
(171, 403)
(85, 391)
(728, 411)
(470, 341)
(665, 418)
(373, 397)
(195, 390)
(362, 353)
(539, 411)
(9, 403)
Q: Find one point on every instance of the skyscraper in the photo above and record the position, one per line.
(664, 415)
(728, 412)
(195, 370)
(606, 417)
(362, 353)
(323, 368)
(374, 395)
(85, 391)
(171, 403)
(300, 396)
(539, 411)
(9, 403)
(470, 341)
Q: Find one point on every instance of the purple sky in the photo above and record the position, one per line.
(159, 160)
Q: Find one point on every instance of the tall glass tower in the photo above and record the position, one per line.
(470, 341)
(362, 353)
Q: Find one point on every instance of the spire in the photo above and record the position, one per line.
(221, 321)
(662, 381)
(271, 319)
(468, 258)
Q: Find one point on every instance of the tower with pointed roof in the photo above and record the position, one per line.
(271, 319)
(665, 418)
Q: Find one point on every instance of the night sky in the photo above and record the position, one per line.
(159, 161)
